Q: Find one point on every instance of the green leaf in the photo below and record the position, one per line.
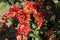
(9, 22)
(55, 1)
(37, 39)
(31, 34)
(32, 38)
(34, 25)
(41, 32)
(36, 32)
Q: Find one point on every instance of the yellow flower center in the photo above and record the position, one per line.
(22, 25)
(27, 10)
(15, 13)
(37, 18)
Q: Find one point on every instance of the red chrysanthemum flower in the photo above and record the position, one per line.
(23, 30)
(29, 7)
(13, 11)
(39, 18)
(22, 16)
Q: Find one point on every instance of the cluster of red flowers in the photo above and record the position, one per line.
(23, 16)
